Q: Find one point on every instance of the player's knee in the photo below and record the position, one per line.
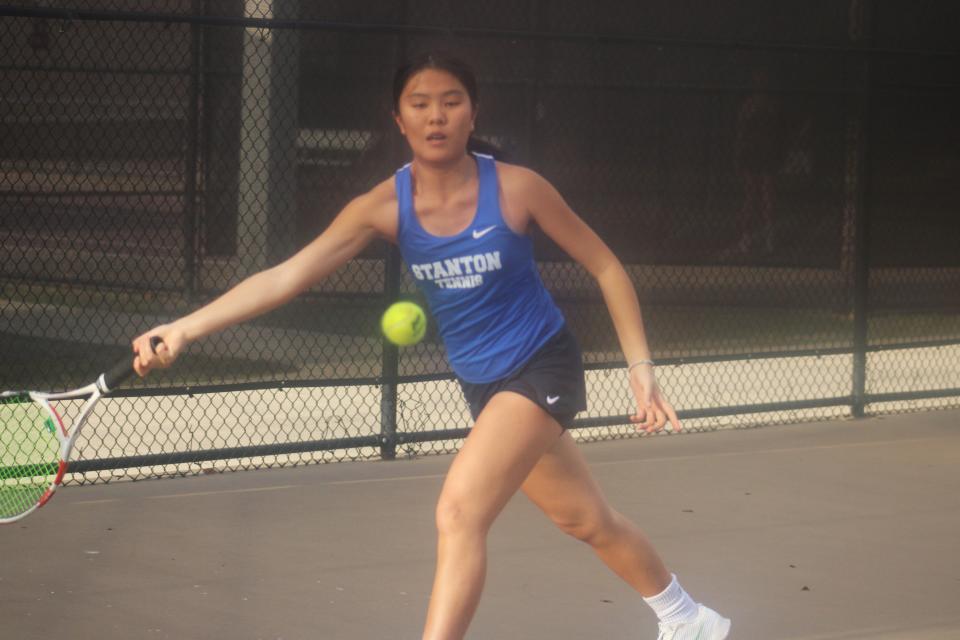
(592, 526)
(455, 516)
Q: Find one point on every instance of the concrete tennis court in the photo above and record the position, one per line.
(846, 529)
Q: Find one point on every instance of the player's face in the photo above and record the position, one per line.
(436, 116)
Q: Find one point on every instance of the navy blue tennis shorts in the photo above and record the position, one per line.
(552, 378)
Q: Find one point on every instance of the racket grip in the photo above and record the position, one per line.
(124, 368)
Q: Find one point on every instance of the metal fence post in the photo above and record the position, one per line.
(191, 164)
(390, 363)
(861, 292)
(391, 290)
(861, 219)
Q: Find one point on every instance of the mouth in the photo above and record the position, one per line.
(436, 138)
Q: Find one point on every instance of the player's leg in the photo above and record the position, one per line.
(562, 486)
(510, 435)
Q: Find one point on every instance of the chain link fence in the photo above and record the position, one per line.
(779, 178)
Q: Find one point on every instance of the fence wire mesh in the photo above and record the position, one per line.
(779, 179)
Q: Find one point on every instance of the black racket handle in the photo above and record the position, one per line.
(124, 369)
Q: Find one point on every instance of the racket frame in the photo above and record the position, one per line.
(92, 393)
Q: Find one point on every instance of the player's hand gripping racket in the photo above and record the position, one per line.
(35, 445)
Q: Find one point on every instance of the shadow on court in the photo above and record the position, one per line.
(844, 529)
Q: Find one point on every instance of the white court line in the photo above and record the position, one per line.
(395, 479)
(274, 488)
(193, 494)
(435, 476)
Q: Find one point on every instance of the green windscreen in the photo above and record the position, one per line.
(29, 454)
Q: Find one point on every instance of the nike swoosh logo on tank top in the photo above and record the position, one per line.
(479, 234)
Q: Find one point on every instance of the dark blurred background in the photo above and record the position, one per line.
(780, 177)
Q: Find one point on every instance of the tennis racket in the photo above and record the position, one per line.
(35, 444)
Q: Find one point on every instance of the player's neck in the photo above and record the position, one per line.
(443, 180)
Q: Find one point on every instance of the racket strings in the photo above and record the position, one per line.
(29, 454)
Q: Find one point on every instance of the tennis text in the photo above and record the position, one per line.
(464, 272)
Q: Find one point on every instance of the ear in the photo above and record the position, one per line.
(473, 118)
(396, 118)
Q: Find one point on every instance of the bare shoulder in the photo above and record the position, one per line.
(531, 199)
(525, 194)
(377, 208)
(516, 180)
(382, 195)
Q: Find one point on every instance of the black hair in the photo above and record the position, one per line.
(445, 61)
(441, 60)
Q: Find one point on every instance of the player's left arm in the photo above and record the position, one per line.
(545, 206)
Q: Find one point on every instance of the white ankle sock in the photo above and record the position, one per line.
(673, 604)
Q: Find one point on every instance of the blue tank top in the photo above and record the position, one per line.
(482, 284)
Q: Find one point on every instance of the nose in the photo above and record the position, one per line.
(437, 115)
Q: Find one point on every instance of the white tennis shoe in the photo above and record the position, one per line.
(708, 625)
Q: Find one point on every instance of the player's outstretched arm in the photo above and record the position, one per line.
(547, 208)
(351, 231)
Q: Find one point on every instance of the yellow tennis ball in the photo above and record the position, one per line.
(404, 323)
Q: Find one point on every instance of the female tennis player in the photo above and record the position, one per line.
(462, 221)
